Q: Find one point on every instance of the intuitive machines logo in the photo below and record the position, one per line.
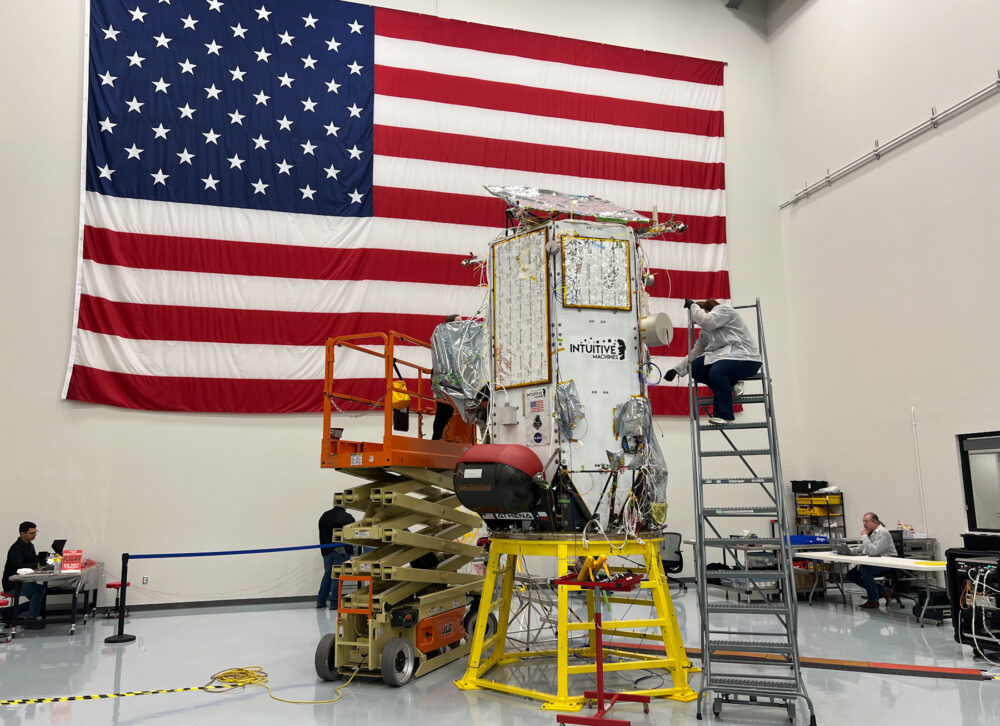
(606, 349)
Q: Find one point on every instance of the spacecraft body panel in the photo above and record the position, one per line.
(565, 304)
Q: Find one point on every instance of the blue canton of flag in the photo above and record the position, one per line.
(261, 105)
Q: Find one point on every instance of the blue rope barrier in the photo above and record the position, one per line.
(231, 552)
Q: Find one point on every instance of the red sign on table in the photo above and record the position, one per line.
(72, 560)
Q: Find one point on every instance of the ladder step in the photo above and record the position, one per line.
(757, 608)
(762, 542)
(753, 646)
(731, 426)
(755, 686)
(738, 511)
(745, 398)
(737, 452)
(741, 480)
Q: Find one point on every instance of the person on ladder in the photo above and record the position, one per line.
(721, 358)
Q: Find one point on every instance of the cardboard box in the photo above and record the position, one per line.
(804, 580)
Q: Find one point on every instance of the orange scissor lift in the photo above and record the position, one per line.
(413, 608)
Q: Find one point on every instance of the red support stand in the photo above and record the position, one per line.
(627, 582)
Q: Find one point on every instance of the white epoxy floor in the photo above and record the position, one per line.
(178, 648)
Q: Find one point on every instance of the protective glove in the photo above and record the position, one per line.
(688, 303)
(670, 375)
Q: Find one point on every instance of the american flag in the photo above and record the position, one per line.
(262, 175)
(536, 406)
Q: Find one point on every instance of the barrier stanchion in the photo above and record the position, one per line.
(121, 636)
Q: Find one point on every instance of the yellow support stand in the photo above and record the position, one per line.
(489, 653)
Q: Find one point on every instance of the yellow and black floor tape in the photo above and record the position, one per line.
(96, 696)
(227, 680)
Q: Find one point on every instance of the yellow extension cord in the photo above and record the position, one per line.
(255, 676)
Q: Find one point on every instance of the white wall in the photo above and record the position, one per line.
(113, 480)
(892, 271)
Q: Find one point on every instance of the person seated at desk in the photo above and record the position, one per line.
(21, 556)
(875, 542)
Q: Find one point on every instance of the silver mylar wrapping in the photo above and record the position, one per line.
(569, 410)
(547, 200)
(635, 417)
(459, 364)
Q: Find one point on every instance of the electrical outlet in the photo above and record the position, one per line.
(145, 580)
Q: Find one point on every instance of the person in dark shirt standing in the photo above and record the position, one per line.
(336, 554)
(22, 555)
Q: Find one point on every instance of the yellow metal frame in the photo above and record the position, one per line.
(486, 654)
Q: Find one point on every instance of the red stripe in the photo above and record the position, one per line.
(397, 203)
(262, 327)
(678, 344)
(232, 395)
(500, 154)
(459, 91)
(191, 254)
(223, 325)
(460, 34)
(695, 285)
(672, 400)
(203, 395)
(438, 207)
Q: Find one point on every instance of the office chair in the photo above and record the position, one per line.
(894, 578)
(673, 558)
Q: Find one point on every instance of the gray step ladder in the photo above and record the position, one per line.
(750, 652)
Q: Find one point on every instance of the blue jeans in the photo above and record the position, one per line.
(35, 592)
(865, 575)
(329, 587)
(721, 376)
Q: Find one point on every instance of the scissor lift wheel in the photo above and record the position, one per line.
(470, 623)
(326, 651)
(398, 662)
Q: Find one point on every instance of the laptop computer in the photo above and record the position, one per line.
(843, 547)
(57, 546)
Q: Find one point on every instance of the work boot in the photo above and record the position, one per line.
(870, 605)
(888, 594)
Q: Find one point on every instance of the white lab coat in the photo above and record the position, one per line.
(724, 336)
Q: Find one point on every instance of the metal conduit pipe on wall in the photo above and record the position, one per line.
(933, 122)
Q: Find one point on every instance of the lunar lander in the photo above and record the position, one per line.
(556, 378)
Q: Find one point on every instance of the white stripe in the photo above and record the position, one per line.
(229, 360)
(172, 219)
(238, 292)
(198, 289)
(209, 222)
(472, 121)
(143, 216)
(501, 68)
(461, 179)
(688, 257)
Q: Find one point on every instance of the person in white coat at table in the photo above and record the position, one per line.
(723, 356)
(875, 542)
